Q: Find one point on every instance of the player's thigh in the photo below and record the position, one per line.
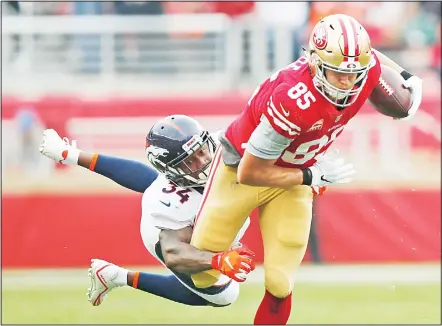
(285, 227)
(225, 206)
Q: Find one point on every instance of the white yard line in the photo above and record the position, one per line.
(308, 274)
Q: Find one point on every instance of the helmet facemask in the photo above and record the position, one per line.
(338, 96)
(181, 173)
(339, 44)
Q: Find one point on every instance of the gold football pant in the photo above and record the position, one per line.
(284, 218)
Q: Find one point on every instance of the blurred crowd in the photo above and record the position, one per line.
(414, 26)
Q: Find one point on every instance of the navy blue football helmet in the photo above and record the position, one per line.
(171, 141)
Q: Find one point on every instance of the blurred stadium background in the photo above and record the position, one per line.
(102, 73)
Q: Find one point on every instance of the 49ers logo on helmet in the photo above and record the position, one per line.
(320, 38)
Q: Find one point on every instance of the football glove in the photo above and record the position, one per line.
(235, 263)
(328, 169)
(413, 83)
(318, 191)
(58, 149)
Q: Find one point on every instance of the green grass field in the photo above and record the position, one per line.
(62, 301)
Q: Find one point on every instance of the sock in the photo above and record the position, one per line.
(273, 310)
(167, 287)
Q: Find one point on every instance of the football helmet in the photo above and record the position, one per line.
(171, 141)
(339, 43)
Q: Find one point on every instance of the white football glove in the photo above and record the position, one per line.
(331, 169)
(58, 149)
(413, 83)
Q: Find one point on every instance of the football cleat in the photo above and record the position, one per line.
(102, 275)
(57, 148)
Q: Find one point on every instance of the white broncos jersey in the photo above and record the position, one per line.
(166, 206)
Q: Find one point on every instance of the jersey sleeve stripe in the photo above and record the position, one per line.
(280, 120)
(282, 125)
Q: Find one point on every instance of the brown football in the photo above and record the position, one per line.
(389, 96)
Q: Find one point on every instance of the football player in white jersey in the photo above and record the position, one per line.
(181, 150)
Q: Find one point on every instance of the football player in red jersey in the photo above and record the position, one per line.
(276, 149)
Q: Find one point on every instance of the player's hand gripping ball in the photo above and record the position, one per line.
(394, 96)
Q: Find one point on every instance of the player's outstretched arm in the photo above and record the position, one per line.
(127, 173)
(181, 257)
(130, 174)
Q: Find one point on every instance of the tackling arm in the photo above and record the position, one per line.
(181, 257)
(127, 173)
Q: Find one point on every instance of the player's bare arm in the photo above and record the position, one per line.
(182, 257)
(383, 59)
(258, 172)
(87, 159)
(179, 255)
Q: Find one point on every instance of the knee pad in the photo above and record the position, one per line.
(278, 282)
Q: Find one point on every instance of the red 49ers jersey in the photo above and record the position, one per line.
(296, 110)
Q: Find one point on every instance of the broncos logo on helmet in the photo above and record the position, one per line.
(181, 149)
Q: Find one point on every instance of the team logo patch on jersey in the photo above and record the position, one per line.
(320, 38)
(317, 125)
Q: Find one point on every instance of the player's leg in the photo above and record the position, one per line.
(105, 276)
(165, 286)
(225, 206)
(285, 226)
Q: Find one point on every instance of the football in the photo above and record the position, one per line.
(389, 96)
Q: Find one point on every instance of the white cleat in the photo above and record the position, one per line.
(102, 275)
(55, 147)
